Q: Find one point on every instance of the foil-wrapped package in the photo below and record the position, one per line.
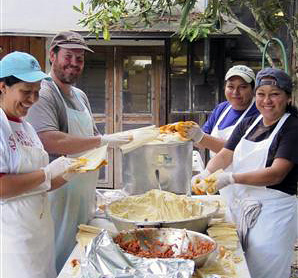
(104, 259)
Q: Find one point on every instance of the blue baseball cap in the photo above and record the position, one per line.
(281, 79)
(22, 66)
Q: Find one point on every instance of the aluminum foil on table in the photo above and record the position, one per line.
(104, 259)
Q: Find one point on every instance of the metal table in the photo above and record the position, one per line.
(68, 271)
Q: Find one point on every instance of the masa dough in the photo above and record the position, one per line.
(158, 205)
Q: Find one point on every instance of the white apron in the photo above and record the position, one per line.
(27, 229)
(225, 134)
(75, 202)
(271, 239)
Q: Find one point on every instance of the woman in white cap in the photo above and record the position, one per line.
(239, 92)
(263, 152)
(27, 232)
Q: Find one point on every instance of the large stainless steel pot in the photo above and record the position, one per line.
(172, 161)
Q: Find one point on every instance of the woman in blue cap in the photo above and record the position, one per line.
(263, 151)
(27, 232)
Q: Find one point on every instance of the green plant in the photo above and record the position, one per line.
(103, 16)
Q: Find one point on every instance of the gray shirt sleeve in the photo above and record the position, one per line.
(48, 113)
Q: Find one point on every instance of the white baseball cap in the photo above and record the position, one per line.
(243, 71)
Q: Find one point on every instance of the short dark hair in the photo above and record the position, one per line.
(55, 49)
(10, 80)
(252, 83)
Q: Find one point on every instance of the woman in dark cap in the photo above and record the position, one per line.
(263, 151)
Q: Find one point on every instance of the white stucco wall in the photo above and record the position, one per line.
(38, 16)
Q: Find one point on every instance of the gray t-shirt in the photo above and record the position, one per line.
(49, 114)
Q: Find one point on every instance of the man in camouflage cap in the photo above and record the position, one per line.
(63, 120)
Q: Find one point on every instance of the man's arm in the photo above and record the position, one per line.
(57, 142)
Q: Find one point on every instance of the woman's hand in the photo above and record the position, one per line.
(223, 179)
(194, 133)
(214, 182)
(196, 180)
(58, 167)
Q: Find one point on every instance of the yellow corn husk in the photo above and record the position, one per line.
(180, 128)
(196, 190)
(77, 164)
(208, 185)
(211, 184)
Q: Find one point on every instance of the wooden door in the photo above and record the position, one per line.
(33, 45)
(139, 97)
(124, 85)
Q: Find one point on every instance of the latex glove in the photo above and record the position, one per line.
(194, 133)
(58, 167)
(224, 179)
(216, 181)
(196, 180)
(115, 139)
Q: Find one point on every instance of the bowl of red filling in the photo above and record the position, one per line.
(166, 243)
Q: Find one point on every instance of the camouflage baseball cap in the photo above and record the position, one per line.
(70, 40)
(243, 71)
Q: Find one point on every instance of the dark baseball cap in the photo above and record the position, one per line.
(70, 40)
(282, 79)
